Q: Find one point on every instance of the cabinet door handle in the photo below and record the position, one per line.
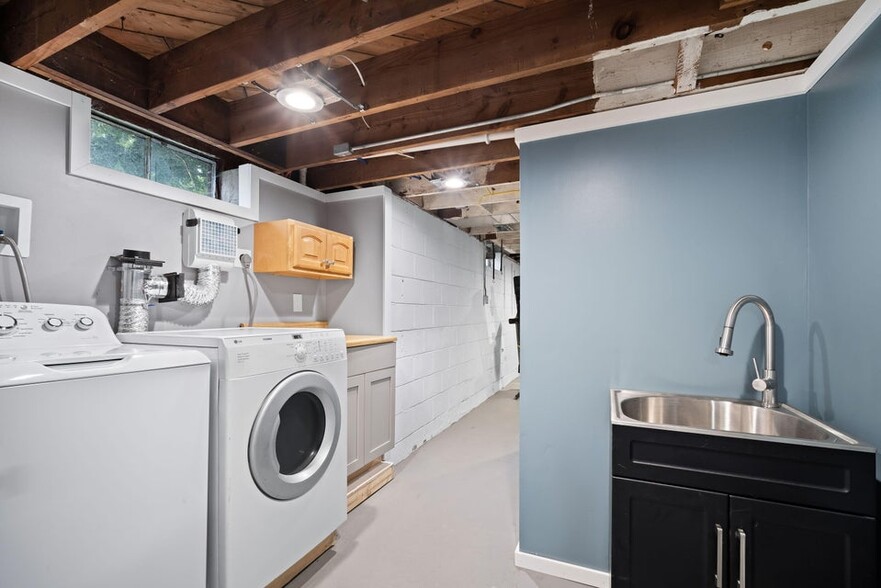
(720, 539)
(741, 536)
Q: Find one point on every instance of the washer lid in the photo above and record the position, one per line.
(34, 367)
(295, 435)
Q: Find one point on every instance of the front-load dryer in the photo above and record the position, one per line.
(278, 445)
(103, 455)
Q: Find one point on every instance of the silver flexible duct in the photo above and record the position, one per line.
(204, 290)
(138, 288)
(16, 252)
(133, 317)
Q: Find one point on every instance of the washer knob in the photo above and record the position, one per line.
(300, 352)
(85, 323)
(8, 323)
(53, 323)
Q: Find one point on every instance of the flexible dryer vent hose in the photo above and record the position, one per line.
(133, 317)
(204, 290)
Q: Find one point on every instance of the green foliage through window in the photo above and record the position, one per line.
(117, 147)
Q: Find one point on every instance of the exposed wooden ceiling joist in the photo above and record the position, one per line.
(279, 38)
(34, 30)
(470, 196)
(379, 169)
(314, 147)
(562, 34)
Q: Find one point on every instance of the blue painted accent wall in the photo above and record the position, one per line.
(844, 202)
(635, 242)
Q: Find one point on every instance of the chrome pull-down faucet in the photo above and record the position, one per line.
(767, 383)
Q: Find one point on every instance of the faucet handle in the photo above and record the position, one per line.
(756, 367)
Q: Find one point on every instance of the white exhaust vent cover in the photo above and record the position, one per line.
(209, 239)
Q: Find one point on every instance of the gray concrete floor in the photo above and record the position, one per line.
(449, 519)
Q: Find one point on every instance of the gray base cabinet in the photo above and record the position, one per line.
(371, 398)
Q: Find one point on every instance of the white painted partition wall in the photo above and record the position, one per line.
(421, 279)
(453, 350)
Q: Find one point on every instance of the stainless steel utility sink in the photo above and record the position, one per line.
(723, 416)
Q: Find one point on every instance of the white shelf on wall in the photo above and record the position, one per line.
(15, 221)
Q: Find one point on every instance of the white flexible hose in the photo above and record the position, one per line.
(204, 290)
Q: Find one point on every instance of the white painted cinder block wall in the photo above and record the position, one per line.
(453, 351)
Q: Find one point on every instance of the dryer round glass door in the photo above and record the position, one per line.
(294, 436)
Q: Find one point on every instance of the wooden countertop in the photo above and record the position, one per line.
(362, 340)
(351, 340)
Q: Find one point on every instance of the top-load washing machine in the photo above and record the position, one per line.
(278, 445)
(103, 455)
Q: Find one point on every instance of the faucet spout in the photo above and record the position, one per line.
(765, 383)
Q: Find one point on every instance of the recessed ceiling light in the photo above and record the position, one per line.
(299, 98)
(454, 183)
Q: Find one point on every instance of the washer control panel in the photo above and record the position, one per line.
(300, 348)
(26, 326)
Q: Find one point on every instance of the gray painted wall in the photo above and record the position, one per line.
(356, 305)
(635, 242)
(78, 224)
(844, 130)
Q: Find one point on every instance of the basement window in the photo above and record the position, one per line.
(116, 153)
(115, 145)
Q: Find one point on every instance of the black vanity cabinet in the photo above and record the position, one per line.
(691, 510)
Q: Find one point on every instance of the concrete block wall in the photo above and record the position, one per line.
(453, 350)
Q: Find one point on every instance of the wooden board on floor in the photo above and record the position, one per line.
(301, 565)
(368, 483)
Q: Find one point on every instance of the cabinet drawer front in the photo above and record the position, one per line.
(370, 357)
(797, 474)
(341, 253)
(795, 546)
(308, 247)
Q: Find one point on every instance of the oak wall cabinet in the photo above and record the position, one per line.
(292, 248)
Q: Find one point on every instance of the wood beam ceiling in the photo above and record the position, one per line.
(34, 30)
(562, 34)
(281, 37)
(379, 169)
(314, 147)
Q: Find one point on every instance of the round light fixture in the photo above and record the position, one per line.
(454, 183)
(299, 98)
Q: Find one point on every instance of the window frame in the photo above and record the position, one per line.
(80, 165)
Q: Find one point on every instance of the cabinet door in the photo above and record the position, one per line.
(341, 253)
(308, 247)
(354, 430)
(784, 545)
(666, 536)
(379, 413)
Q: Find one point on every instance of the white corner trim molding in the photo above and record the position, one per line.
(357, 194)
(251, 176)
(12, 76)
(562, 569)
(713, 99)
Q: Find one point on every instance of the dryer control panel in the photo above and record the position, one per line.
(252, 354)
(28, 326)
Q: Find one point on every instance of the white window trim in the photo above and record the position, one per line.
(79, 164)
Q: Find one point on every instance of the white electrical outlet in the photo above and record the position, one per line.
(298, 303)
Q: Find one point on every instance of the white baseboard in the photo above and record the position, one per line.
(562, 569)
